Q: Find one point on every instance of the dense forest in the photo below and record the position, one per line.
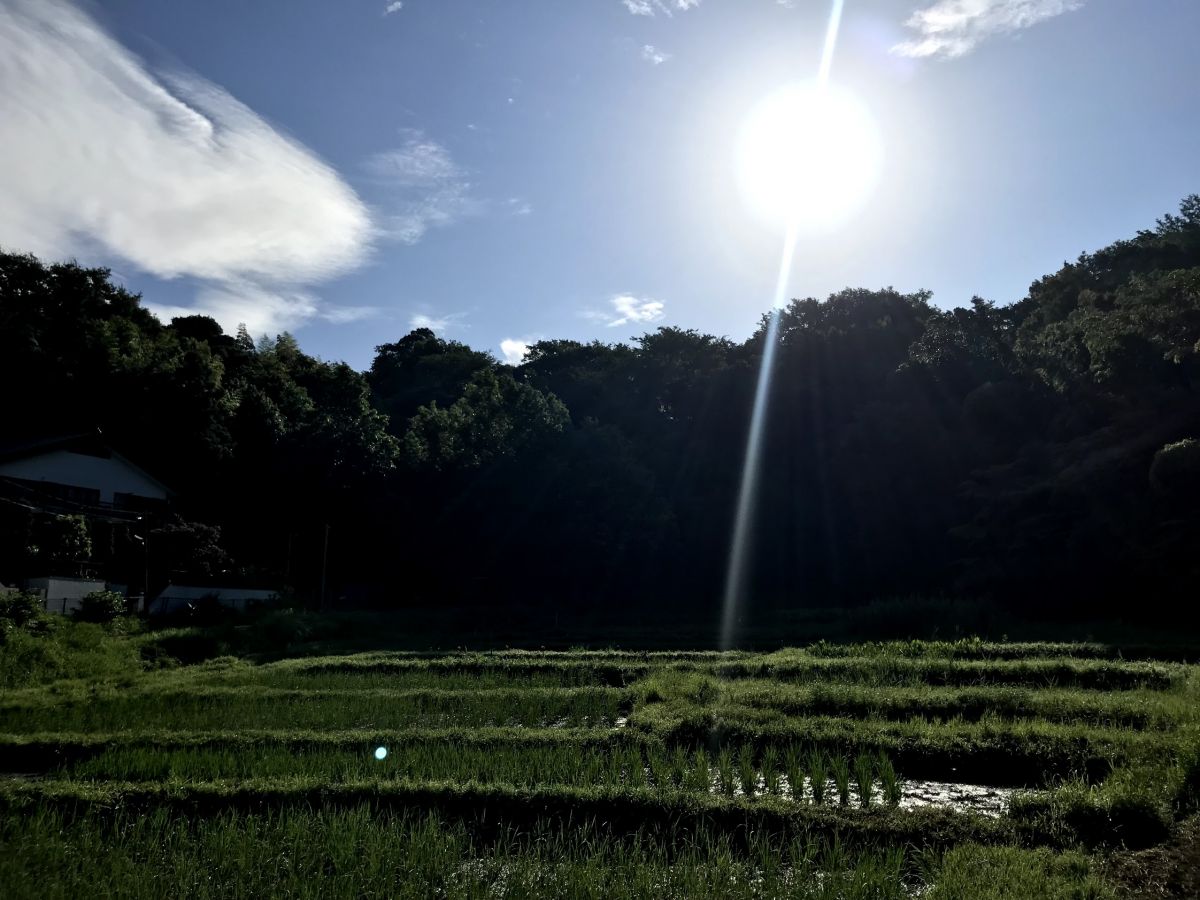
(1042, 454)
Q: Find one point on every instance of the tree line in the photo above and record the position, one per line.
(1042, 453)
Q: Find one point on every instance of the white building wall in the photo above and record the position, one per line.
(108, 476)
(63, 595)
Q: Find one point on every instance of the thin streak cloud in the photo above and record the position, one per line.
(953, 28)
(658, 7)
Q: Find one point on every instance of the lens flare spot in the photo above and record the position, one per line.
(381, 752)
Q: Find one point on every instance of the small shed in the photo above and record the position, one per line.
(63, 595)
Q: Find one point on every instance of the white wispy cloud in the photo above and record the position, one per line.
(517, 206)
(514, 351)
(393, 7)
(952, 28)
(420, 320)
(438, 324)
(340, 315)
(656, 7)
(262, 310)
(419, 162)
(103, 156)
(627, 308)
(653, 55)
(427, 188)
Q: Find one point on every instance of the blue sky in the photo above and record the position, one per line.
(539, 168)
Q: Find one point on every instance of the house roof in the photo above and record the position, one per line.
(86, 443)
(80, 442)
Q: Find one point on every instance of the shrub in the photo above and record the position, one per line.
(279, 629)
(66, 649)
(902, 618)
(20, 609)
(101, 606)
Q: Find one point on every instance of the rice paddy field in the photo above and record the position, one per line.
(936, 770)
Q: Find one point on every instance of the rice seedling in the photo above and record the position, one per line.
(659, 764)
(747, 776)
(770, 770)
(701, 776)
(840, 767)
(893, 787)
(818, 775)
(725, 771)
(793, 767)
(864, 778)
(681, 768)
(634, 770)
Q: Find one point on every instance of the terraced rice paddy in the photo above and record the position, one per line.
(886, 770)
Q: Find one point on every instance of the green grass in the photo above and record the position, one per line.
(251, 707)
(1131, 709)
(1089, 674)
(359, 852)
(603, 772)
(1011, 873)
(67, 650)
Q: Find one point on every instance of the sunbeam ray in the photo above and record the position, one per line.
(739, 550)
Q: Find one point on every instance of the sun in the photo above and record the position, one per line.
(808, 157)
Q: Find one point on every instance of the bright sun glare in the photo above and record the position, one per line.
(808, 156)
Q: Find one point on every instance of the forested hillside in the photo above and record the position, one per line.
(1042, 453)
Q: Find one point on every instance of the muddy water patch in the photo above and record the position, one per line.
(980, 799)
